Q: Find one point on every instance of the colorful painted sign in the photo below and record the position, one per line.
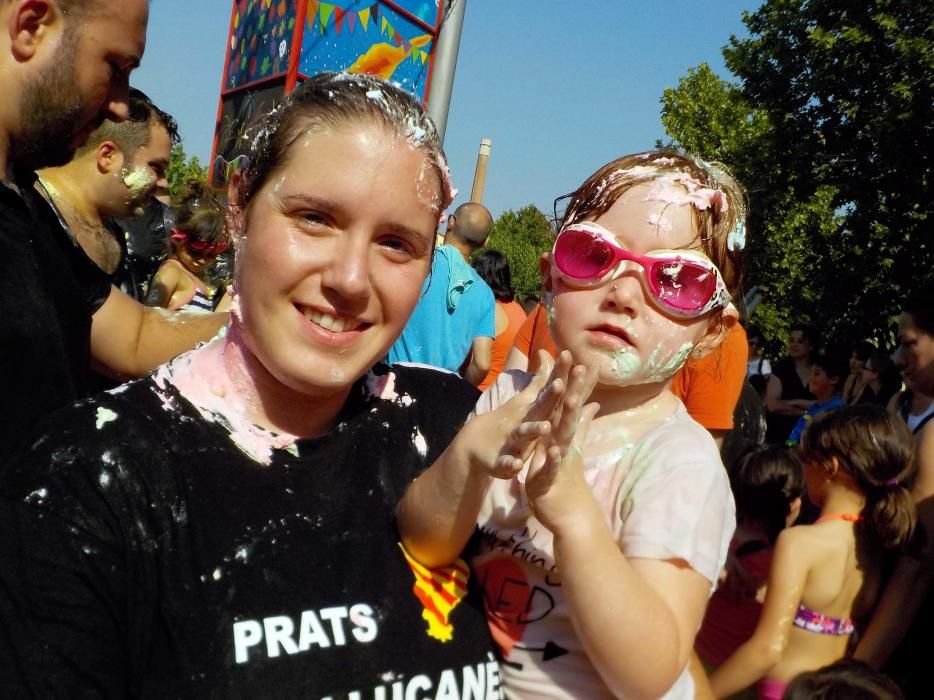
(363, 36)
(275, 44)
(260, 41)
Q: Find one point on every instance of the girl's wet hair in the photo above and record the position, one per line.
(720, 227)
(200, 217)
(765, 481)
(875, 448)
(333, 100)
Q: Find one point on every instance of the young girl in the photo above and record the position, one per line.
(602, 527)
(198, 237)
(826, 575)
(767, 484)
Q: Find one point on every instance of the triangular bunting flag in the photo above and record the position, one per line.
(351, 18)
(405, 45)
(374, 10)
(382, 25)
(312, 13)
(338, 19)
(326, 10)
(364, 16)
(423, 55)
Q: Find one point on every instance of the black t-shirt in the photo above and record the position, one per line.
(144, 248)
(142, 554)
(48, 292)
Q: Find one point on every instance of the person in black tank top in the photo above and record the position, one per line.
(787, 396)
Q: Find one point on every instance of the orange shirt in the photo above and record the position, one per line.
(534, 335)
(502, 343)
(710, 386)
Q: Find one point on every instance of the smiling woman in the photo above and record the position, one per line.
(225, 526)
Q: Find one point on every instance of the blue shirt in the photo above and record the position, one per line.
(456, 306)
(813, 410)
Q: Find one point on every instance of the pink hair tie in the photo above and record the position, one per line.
(178, 235)
(892, 482)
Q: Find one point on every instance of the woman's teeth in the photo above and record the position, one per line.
(335, 325)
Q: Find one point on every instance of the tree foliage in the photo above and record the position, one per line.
(183, 171)
(829, 127)
(522, 236)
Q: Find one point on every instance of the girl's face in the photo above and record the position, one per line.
(618, 326)
(194, 261)
(917, 355)
(336, 247)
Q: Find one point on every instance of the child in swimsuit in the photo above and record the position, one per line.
(767, 484)
(827, 575)
(604, 511)
(198, 237)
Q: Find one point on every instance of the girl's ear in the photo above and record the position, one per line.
(794, 510)
(719, 326)
(833, 466)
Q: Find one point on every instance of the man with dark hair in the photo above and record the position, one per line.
(453, 324)
(116, 173)
(64, 69)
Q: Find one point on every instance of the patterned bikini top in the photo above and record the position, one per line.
(812, 621)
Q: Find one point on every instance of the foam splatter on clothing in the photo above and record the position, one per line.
(153, 558)
(664, 496)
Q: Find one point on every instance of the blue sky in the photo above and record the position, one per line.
(560, 86)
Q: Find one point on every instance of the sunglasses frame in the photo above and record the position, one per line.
(719, 298)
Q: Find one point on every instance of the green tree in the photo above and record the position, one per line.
(829, 127)
(183, 171)
(522, 236)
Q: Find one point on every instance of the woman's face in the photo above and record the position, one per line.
(916, 355)
(799, 347)
(617, 326)
(334, 252)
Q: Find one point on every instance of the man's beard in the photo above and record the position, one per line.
(52, 112)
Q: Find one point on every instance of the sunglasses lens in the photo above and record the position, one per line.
(683, 285)
(581, 255)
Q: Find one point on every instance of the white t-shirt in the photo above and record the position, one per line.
(665, 496)
(758, 365)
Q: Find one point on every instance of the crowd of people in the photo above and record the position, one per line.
(358, 468)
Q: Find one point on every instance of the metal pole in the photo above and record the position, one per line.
(445, 63)
(479, 176)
